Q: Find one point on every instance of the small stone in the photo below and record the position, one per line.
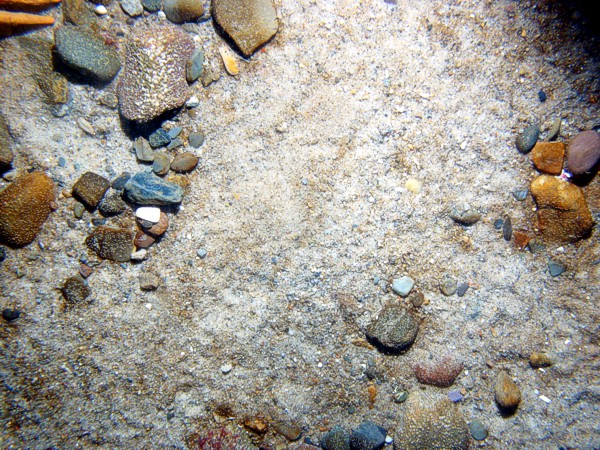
(462, 289)
(174, 144)
(540, 359)
(229, 60)
(75, 290)
(62, 162)
(464, 217)
(554, 130)
(149, 213)
(24, 207)
(2, 254)
(368, 436)
(77, 12)
(548, 157)
(100, 10)
(562, 211)
(149, 282)
(86, 52)
(542, 96)
(139, 255)
(193, 102)
(159, 138)
(152, 5)
(143, 150)
(112, 204)
(196, 139)
(417, 299)
(6, 155)
(401, 397)
(403, 285)
(226, 368)
(180, 11)
(184, 162)
(287, 429)
(194, 65)
(521, 239)
(148, 189)
(455, 396)
(413, 185)
(78, 210)
(250, 23)
(90, 188)
(526, 140)
(10, 315)
(556, 268)
(336, 439)
(158, 229)
(478, 431)
(201, 252)
(520, 194)
(498, 223)
(110, 100)
(132, 8)
(507, 229)
(506, 391)
(118, 183)
(448, 285)
(161, 164)
(174, 132)
(142, 240)
(440, 371)
(84, 270)
(395, 329)
(583, 152)
(115, 244)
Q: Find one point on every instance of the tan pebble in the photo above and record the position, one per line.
(184, 162)
(288, 429)
(142, 240)
(24, 207)
(507, 392)
(229, 61)
(540, 359)
(86, 126)
(85, 270)
(548, 157)
(413, 185)
(149, 282)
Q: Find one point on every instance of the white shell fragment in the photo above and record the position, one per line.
(149, 213)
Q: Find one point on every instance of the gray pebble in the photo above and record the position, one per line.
(112, 204)
(62, 162)
(174, 144)
(109, 99)
(151, 5)
(395, 329)
(336, 439)
(498, 223)
(464, 217)
(401, 397)
(448, 285)
(149, 282)
(477, 430)
(462, 289)
(527, 140)
(507, 229)
(368, 436)
(193, 68)
(118, 183)
(133, 8)
(196, 139)
(403, 285)
(174, 132)
(556, 268)
(520, 194)
(143, 150)
(201, 253)
(59, 110)
(554, 130)
(148, 189)
(376, 280)
(159, 138)
(161, 164)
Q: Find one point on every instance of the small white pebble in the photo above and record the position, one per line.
(140, 255)
(101, 10)
(389, 440)
(413, 185)
(193, 102)
(568, 342)
(320, 365)
(545, 399)
(161, 15)
(149, 213)
(148, 305)
(226, 368)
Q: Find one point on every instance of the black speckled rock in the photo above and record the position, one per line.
(395, 329)
(87, 53)
(367, 436)
(336, 439)
(527, 139)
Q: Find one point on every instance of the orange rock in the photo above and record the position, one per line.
(521, 239)
(548, 157)
(563, 214)
(507, 392)
(24, 207)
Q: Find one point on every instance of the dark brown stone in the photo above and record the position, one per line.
(90, 188)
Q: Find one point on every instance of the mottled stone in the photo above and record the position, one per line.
(112, 204)
(465, 217)
(250, 23)
(507, 392)
(395, 329)
(439, 371)
(86, 52)
(367, 436)
(152, 5)
(142, 240)
(6, 154)
(448, 285)
(180, 11)
(527, 139)
(75, 290)
(115, 244)
(143, 150)
(548, 157)
(24, 207)
(583, 152)
(77, 12)
(132, 8)
(148, 189)
(90, 188)
(288, 429)
(562, 210)
(184, 162)
(161, 163)
(153, 80)
(403, 285)
(149, 282)
(336, 439)
(194, 65)
(540, 359)
(159, 138)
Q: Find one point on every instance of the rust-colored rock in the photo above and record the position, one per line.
(440, 371)
(184, 162)
(521, 239)
(142, 240)
(562, 214)
(507, 392)
(548, 157)
(24, 207)
(540, 359)
(158, 229)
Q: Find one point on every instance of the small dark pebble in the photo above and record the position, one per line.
(526, 140)
(520, 194)
(119, 183)
(507, 229)
(151, 5)
(2, 254)
(556, 268)
(159, 138)
(10, 315)
(401, 397)
(462, 289)
(542, 96)
(71, 224)
(85, 270)
(75, 290)
(98, 222)
(336, 439)
(477, 430)
(498, 224)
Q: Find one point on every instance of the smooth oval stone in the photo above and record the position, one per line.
(583, 152)
(527, 139)
(507, 392)
(184, 162)
(148, 189)
(477, 430)
(180, 11)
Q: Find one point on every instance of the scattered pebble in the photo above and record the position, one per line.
(554, 130)
(336, 439)
(149, 282)
(526, 140)
(132, 8)
(507, 228)
(545, 399)
(175, 143)
(174, 132)
(157, 229)
(184, 162)
(226, 368)
(148, 189)
(118, 183)
(583, 152)
(194, 66)
(78, 210)
(159, 138)
(148, 213)
(556, 268)
(112, 204)
(478, 431)
(520, 195)
(401, 397)
(417, 299)
(395, 329)
(196, 139)
(152, 5)
(540, 359)
(84, 270)
(498, 224)
(462, 289)
(464, 217)
(6, 154)
(100, 10)
(403, 285)
(90, 188)
(439, 371)
(10, 315)
(368, 436)
(180, 11)
(448, 285)
(2, 254)
(75, 290)
(542, 96)
(193, 102)
(143, 150)
(139, 255)
(142, 240)
(24, 207)
(413, 185)
(115, 244)
(161, 163)
(86, 126)
(229, 60)
(201, 253)
(287, 429)
(506, 391)
(548, 157)
(455, 396)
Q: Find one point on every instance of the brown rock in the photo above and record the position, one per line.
(184, 162)
(548, 157)
(149, 282)
(507, 392)
(521, 239)
(562, 214)
(288, 429)
(85, 270)
(6, 155)
(539, 359)
(90, 188)
(583, 152)
(142, 240)
(180, 11)
(75, 290)
(115, 244)
(158, 229)
(24, 207)
(441, 371)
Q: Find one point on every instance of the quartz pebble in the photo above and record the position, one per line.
(139, 255)
(149, 213)
(100, 10)
(86, 126)
(229, 60)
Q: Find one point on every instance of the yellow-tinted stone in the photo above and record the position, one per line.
(562, 214)
(24, 207)
(507, 392)
(229, 61)
(548, 157)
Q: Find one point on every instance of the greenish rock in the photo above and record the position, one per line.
(148, 189)
(403, 285)
(174, 132)
(556, 268)
(86, 52)
(152, 5)
(161, 164)
(75, 290)
(159, 138)
(448, 286)
(174, 144)
(554, 130)
(6, 154)
(395, 329)
(78, 210)
(194, 65)
(196, 139)
(115, 244)
(527, 139)
(143, 150)
(478, 431)
(78, 12)
(250, 23)
(336, 439)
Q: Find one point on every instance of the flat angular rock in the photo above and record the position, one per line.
(90, 188)
(148, 189)
(6, 155)
(115, 244)
(250, 23)
(548, 157)
(153, 79)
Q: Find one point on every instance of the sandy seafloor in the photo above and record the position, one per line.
(300, 202)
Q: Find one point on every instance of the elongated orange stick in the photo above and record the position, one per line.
(27, 3)
(21, 19)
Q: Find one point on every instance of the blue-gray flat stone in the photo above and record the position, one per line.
(368, 436)
(148, 189)
(193, 67)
